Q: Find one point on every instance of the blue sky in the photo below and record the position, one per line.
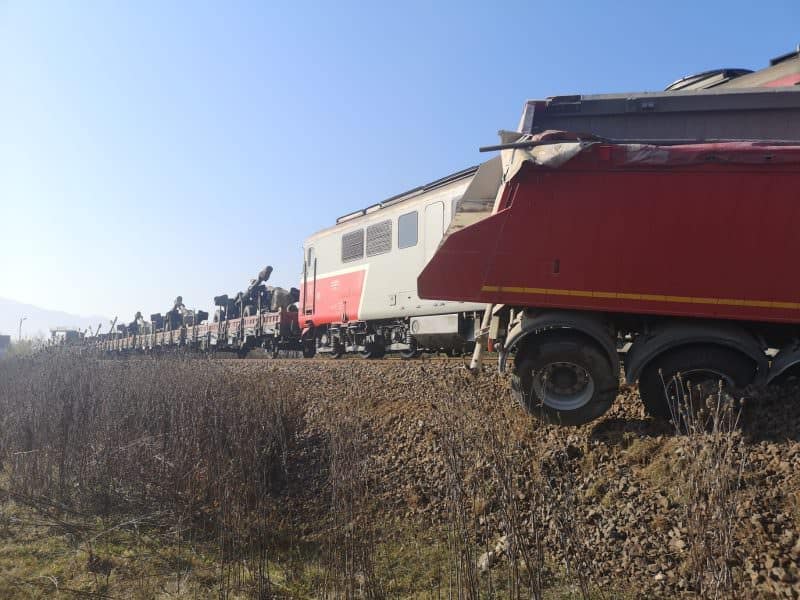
(150, 149)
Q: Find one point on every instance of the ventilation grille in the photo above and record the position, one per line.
(353, 246)
(379, 238)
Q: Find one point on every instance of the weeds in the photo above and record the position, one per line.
(173, 444)
(350, 545)
(715, 457)
(236, 489)
(531, 491)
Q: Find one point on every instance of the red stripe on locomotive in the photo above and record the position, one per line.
(334, 298)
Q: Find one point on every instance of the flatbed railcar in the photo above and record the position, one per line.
(273, 331)
(258, 317)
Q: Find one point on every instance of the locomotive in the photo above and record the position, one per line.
(358, 292)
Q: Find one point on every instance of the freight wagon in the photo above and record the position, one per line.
(261, 316)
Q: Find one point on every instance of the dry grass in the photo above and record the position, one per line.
(713, 459)
(496, 463)
(179, 449)
(185, 479)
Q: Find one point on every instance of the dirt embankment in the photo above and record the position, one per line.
(399, 479)
(623, 503)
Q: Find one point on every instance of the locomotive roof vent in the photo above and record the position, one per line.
(350, 216)
(706, 79)
(409, 194)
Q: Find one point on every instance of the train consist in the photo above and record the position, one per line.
(663, 223)
(357, 294)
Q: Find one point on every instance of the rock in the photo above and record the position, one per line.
(677, 545)
(501, 547)
(486, 561)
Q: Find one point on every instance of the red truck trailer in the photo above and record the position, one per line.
(681, 244)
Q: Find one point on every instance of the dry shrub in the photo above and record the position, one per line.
(180, 445)
(463, 528)
(498, 458)
(350, 544)
(714, 456)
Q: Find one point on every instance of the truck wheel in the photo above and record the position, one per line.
(565, 379)
(699, 365)
(309, 349)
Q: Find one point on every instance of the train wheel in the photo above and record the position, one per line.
(564, 379)
(412, 352)
(700, 368)
(309, 349)
(373, 351)
(337, 351)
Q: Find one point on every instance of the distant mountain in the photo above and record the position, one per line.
(39, 321)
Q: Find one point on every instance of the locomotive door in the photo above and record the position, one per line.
(433, 228)
(431, 232)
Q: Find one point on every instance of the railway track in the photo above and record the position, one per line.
(256, 356)
(326, 359)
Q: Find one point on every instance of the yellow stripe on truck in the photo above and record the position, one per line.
(642, 297)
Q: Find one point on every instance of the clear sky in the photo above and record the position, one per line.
(150, 149)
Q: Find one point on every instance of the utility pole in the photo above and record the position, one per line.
(19, 336)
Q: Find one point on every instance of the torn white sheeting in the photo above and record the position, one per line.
(551, 155)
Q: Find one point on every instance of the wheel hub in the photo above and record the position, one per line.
(563, 385)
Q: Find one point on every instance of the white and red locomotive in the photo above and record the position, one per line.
(358, 291)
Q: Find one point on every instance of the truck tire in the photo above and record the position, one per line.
(564, 379)
(697, 364)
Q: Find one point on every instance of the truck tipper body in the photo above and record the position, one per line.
(666, 223)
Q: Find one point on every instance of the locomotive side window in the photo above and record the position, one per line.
(407, 233)
(353, 246)
(379, 238)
